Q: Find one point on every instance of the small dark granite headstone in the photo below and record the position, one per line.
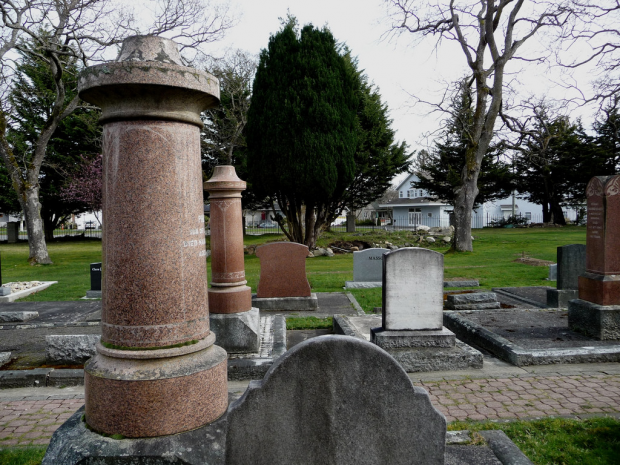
(571, 264)
(335, 400)
(95, 276)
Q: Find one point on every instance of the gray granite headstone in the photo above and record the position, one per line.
(335, 400)
(571, 264)
(412, 289)
(553, 272)
(368, 265)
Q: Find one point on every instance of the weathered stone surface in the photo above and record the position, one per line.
(480, 306)
(362, 285)
(282, 270)
(558, 298)
(553, 272)
(5, 357)
(70, 349)
(5, 290)
(412, 289)
(73, 444)
(300, 304)
(312, 408)
(237, 332)
(17, 317)
(598, 321)
(600, 283)
(471, 298)
(571, 265)
(470, 283)
(368, 265)
(425, 359)
(401, 339)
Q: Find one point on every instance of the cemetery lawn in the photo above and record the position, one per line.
(22, 455)
(492, 262)
(595, 441)
(309, 322)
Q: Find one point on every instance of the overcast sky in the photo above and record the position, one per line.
(396, 66)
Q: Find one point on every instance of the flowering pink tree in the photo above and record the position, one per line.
(85, 185)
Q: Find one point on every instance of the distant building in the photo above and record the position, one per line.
(416, 206)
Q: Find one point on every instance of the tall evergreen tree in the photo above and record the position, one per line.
(439, 171)
(32, 98)
(302, 129)
(607, 127)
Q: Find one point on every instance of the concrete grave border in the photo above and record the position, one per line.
(473, 333)
(26, 292)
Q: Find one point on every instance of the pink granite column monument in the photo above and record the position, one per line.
(597, 311)
(234, 321)
(157, 371)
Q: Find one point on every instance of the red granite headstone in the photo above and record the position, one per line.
(600, 283)
(282, 270)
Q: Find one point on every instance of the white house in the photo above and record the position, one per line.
(415, 206)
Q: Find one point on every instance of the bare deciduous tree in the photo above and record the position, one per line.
(80, 30)
(489, 33)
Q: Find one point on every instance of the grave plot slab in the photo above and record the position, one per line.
(532, 296)
(460, 356)
(13, 296)
(529, 336)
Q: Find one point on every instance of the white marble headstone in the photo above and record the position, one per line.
(412, 289)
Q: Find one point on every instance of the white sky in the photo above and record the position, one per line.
(396, 66)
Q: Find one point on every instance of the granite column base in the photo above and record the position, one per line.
(600, 289)
(598, 321)
(237, 332)
(424, 351)
(558, 298)
(300, 304)
(140, 398)
(234, 299)
(74, 443)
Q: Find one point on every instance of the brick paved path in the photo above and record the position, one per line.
(33, 420)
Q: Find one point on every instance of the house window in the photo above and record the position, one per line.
(528, 216)
(400, 194)
(420, 194)
(411, 193)
(430, 215)
(415, 210)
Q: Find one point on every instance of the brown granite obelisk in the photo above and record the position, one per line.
(597, 310)
(235, 322)
(157, 371)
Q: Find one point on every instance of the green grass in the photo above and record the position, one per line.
(310, 322)
(560, 441)
(22, 455)
(491, 262)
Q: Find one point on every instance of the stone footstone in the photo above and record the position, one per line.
(598, 321)
(480, 306)
(70, 349)
(558, 298)
(237, 332)
(293, 304)
(73, 443)
(470, 283)
(335, 399)
(472, 301)
(17, 317)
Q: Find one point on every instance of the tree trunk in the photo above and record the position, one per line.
(463, 207)
(558, 214)
(34, 226)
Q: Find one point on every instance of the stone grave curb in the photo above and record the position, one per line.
(358, 308)
(525, 300)
(26, 292)
(373, 284)
(41, 377)
(472, 333)
(342, 325)
(504, 449)
(50, 325)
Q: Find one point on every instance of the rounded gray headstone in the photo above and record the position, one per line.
(335, 400)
